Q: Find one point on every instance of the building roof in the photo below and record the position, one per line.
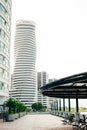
(74, 86)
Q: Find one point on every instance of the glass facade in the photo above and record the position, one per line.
(4, 48)
(5, 25)
(2, 9)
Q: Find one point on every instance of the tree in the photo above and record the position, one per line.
(40, 106)
(37, 106)
(15, 106)
(11, 104)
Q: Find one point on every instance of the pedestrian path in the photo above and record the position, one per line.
(35, 122)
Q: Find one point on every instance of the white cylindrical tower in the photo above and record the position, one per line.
(5, 27)
(24, 77)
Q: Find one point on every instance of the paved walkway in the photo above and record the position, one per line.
(35, 122)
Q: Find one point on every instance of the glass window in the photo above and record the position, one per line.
(1, 72)
(2, 33)
(5, 0)
(2, 9)
(6, 87)
(5, 74)
(7, 27)
(6, 62)
(1, 59)
(6, 37)
(2, 46)
(9, 6)
(2, 21)
(1, 85)
(6, 49)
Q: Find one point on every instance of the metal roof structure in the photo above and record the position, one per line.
(74, 86)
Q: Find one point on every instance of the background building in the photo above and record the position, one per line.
(51, 99)
(5, 28)
(42, 79)
(24, 76)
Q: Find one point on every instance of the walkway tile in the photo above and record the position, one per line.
(35, 122)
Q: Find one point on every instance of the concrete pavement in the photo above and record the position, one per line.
(35, 122)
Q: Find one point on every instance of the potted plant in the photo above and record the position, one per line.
(11, 104)
(16, 109)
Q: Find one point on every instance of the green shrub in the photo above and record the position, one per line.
(15, 106)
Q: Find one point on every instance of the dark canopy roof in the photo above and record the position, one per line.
(74, 86)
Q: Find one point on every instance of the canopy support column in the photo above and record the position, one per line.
(64, 104)
(59, 104)
(69, 105)
(77, 106)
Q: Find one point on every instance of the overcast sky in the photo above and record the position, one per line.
(61, 34)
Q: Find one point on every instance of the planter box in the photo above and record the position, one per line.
(22, 114)
(10, 117)
(16, 116)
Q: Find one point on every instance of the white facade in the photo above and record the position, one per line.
(24, 76)
(5, 27)
(42, 79)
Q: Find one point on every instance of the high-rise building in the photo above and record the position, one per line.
(24, 76)
(5, 31)
(42, 79)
